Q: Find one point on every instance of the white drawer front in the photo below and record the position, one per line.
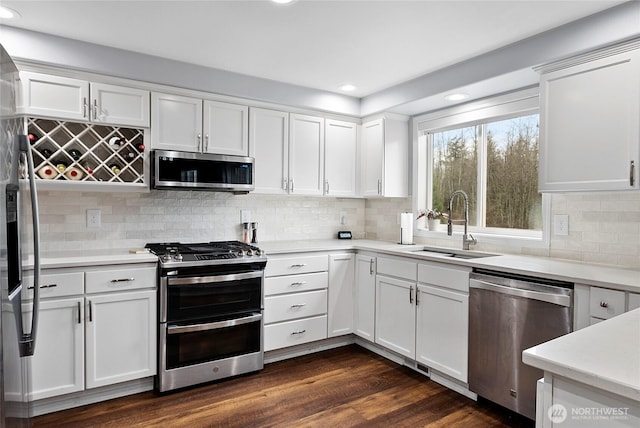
(291, 306)
(605, 303)
(121, 278)
(55, 284)
(444, 276)
(294, 265)
(398, 268)
(295, 283)
(291, 333)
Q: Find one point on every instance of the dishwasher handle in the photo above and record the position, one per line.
(554, 298)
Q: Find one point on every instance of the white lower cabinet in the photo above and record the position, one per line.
(57, 366)
(396, 315)
(442, 332)
(340, 303)
(422, 312)
(120, 339)
(364, 295)
(295, 302)
(90, 340)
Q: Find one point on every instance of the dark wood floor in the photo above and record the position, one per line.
(345, 387)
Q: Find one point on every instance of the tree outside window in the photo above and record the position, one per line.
(496, 164)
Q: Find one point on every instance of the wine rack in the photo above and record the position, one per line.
(86, 152)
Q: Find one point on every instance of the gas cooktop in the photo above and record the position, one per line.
(206, 252)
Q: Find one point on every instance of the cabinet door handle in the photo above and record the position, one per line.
(379, 187)
(123, 280)
(199, 138)
(79, 313)
(95, 109)
(298, 284)
(85, 105)
(604, 304)
(371, 267)
(632, 167)
(206, 143)
(285, 184)
(293, 333)
(297, 265)
(417, 296)
(326, 187)
(291, 185)
(90, 312)
(44, 286)
(298, 305)
(411, 295)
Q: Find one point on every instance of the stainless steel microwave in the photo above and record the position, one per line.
(202, 171)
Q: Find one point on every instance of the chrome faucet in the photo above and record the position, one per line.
(467, 238)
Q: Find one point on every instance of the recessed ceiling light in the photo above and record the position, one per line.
(456, 97)
(6, 13)
(282, 1)
(347, 87)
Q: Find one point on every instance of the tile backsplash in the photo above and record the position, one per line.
(604, 228)
(132, 219)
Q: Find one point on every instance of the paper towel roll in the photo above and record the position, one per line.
(406, 228)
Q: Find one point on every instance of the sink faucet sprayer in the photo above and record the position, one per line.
(467, 238)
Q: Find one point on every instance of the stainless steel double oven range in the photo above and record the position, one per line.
(210, 312)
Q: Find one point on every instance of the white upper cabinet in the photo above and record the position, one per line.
(306, 155)
(385, 160)
(177, 122)
(193, 125)
(226, 128)
(119, 105)
(80, 100)
(269, 144)
(590, 122)
(341, 144)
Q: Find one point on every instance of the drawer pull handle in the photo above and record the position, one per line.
(604, 304)
(79, 313)
(44, 286)
(123, 280)
(298, 306)
(297, 265)
(298, 284)
(294, 333)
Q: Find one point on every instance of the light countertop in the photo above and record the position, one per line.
(588, 274)
(605, 355)
(564, 270)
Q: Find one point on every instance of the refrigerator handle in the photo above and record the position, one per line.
(28, 340)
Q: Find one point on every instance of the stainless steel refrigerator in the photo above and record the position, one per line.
(18, 218)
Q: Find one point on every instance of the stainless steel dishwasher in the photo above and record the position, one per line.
(508, 314)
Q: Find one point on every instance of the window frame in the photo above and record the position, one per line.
(496, 108)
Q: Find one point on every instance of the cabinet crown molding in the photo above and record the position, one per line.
(586, 57)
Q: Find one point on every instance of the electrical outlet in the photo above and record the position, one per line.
(245, 216)
(561, 224)
(343, 218)
(93, 219)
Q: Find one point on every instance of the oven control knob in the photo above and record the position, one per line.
(249, 253)
(178, 257)
(241, 253)
(166, 257)
(260, 252)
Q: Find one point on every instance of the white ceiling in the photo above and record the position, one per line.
(319, 44)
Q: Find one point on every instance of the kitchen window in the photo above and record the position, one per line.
(488, 149)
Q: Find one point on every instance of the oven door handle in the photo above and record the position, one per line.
(177, 329)
(214, 278)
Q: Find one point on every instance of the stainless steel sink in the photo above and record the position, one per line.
(437, 252)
